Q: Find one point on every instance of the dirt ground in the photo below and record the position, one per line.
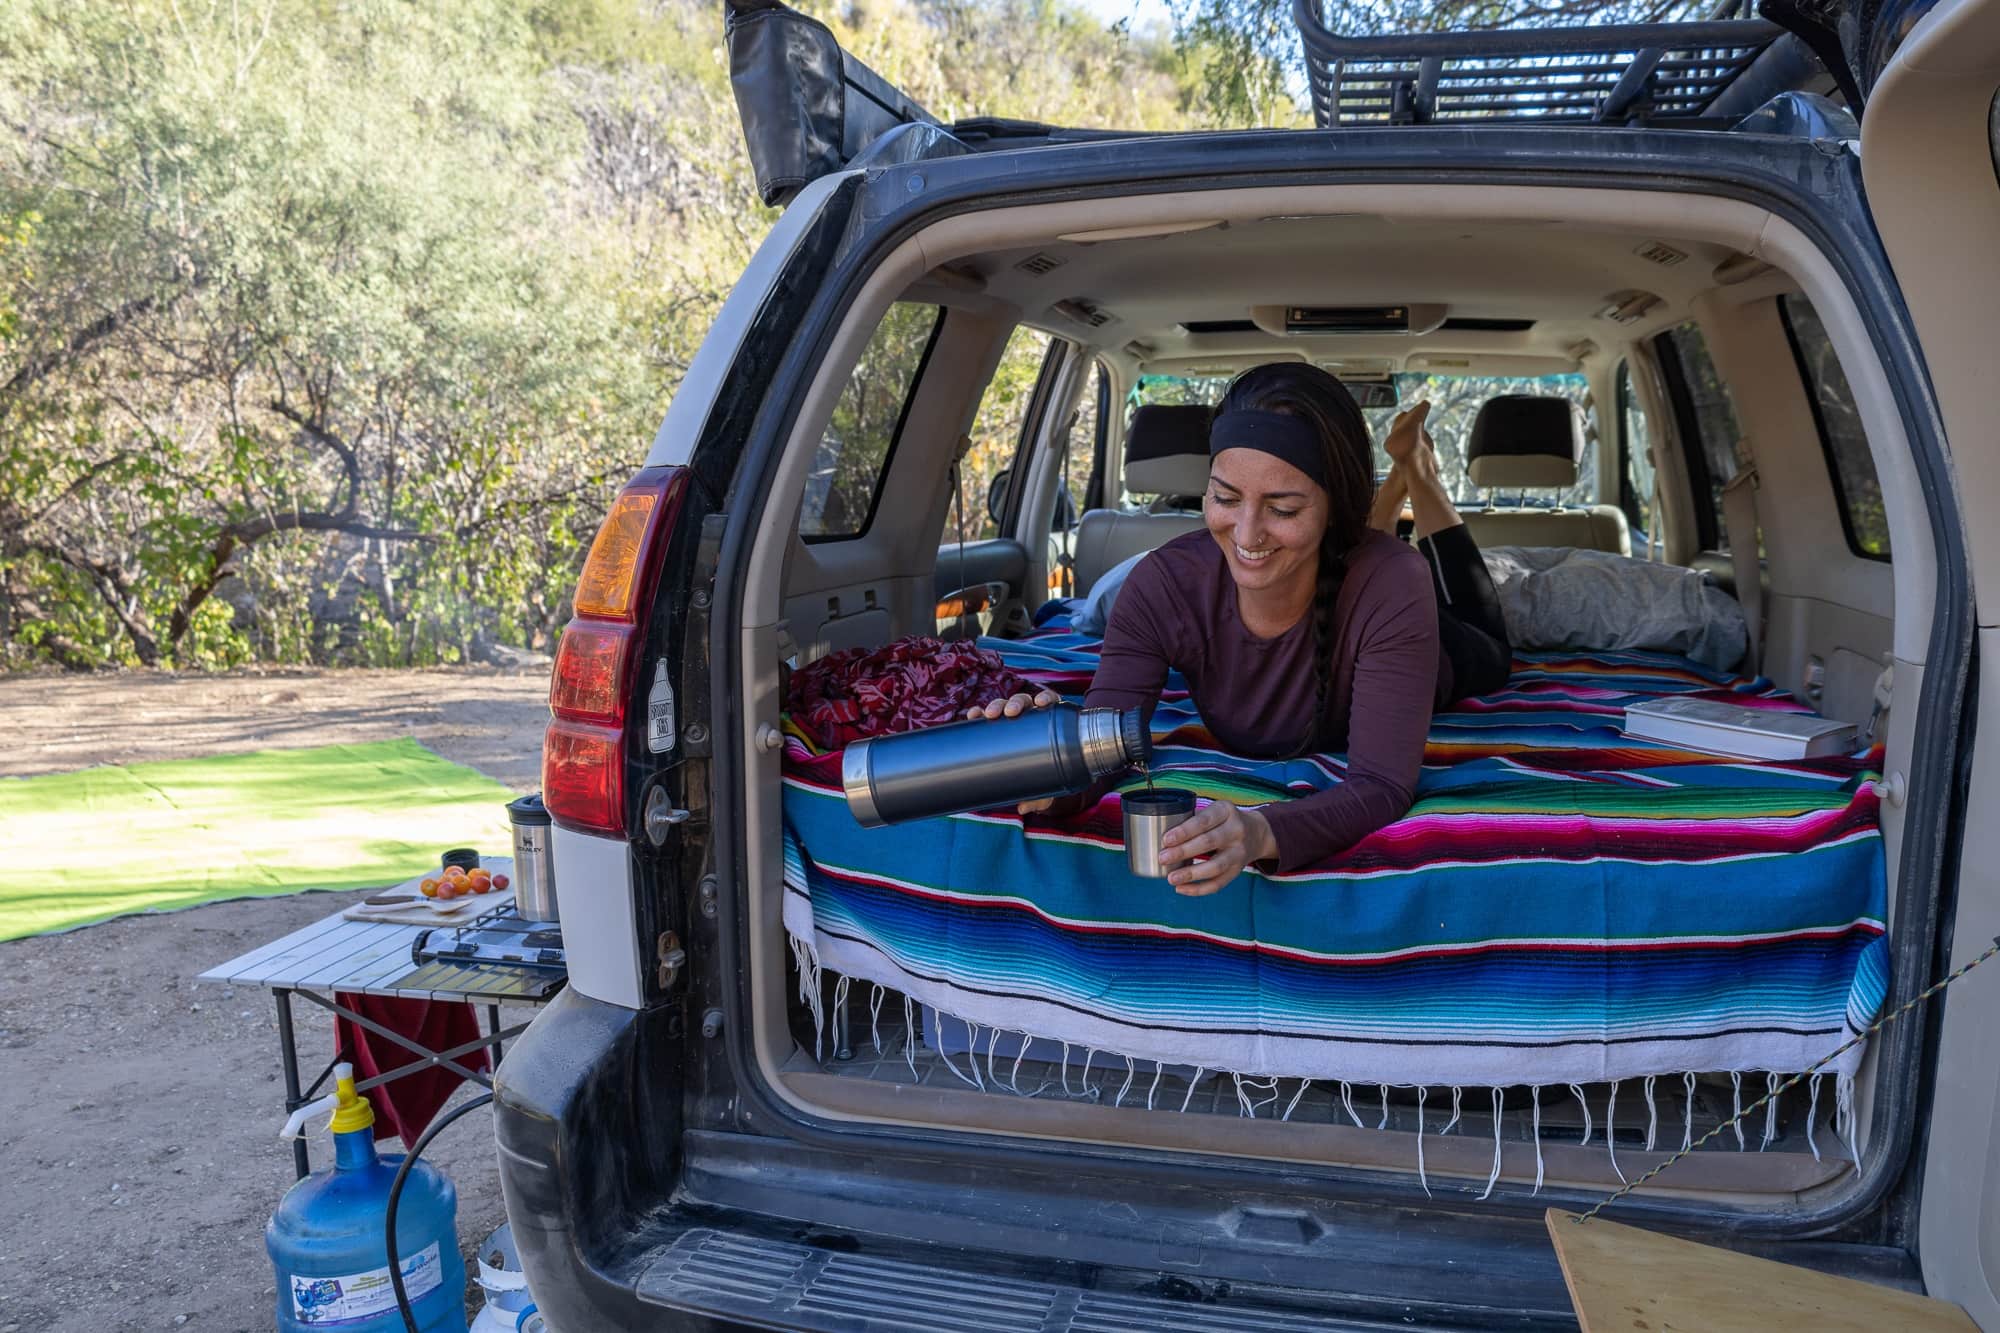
(139, 1109)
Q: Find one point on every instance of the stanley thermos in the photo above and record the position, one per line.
(534, 860)
(966, 766)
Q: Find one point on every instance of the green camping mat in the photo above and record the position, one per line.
(76, 848)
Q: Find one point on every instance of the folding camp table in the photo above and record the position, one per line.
(376, 958)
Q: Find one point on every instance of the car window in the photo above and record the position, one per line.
(1174, 391)
(996, 435)
(1635, 456)
(854, 452)
(1855, 485)
(1708, 422)
(1086, 440)
(1455, 401)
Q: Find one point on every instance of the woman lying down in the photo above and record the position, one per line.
(1301, 622)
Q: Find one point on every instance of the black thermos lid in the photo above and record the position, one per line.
(1138, 737)
(528, 810)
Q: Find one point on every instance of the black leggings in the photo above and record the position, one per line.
(1470, 626)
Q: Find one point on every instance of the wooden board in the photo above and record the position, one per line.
(417, 910)
(1621, 1278)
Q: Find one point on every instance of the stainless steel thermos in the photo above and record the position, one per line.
(534, 860)
(966, 766)
(1148, 816)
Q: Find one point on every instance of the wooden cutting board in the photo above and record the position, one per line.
(404, 904)
(1623, 1278)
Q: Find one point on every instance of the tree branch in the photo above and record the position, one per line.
(40, 367)
(350, 462)
(112, 587)
(248, 532)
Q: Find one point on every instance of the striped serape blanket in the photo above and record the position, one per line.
(1561, 906)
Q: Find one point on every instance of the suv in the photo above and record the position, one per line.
(1758, 257)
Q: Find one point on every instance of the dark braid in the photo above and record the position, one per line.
(1302, 389)
(1332, 568)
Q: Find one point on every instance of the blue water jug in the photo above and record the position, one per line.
(327, 1244)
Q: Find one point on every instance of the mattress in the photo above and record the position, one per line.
(1560, 906)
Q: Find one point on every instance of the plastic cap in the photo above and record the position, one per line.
(351, 1110)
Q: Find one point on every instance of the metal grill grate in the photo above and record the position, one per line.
(781, 1283)
(1655, 73)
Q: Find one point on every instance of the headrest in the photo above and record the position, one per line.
(1527, 441)
(1166, 450)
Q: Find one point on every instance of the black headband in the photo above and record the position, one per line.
(1279, 434)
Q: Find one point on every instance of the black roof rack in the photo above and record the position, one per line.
(1650, 73)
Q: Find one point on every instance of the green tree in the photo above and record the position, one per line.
(326, 332)
(281, 287)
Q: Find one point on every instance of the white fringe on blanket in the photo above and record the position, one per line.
(1256, 1092)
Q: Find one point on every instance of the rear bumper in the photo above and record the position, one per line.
(586, 1135)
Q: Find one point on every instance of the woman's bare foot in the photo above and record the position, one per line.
(1430, 503)
(1406, 432)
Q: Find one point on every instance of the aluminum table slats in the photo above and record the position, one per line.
(373, 958)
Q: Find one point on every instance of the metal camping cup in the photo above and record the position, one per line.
(964, 766)
(534, 860)
(1148, 816)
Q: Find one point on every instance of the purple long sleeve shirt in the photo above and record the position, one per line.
(1178, 609)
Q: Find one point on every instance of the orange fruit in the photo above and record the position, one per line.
(454, 872)
(429, 888)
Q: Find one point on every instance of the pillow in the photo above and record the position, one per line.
(1093, 610)
(1557, 597)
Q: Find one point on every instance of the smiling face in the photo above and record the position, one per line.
(1268, 517)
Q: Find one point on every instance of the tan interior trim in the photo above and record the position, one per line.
(1806, 547)
(1748, 1179)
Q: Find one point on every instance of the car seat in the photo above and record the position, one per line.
(1166, 456)
(1526, 442)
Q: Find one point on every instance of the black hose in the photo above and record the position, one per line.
(396, 1194)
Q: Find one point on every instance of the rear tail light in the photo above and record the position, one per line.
(589, 671)
(583, 776)
(583, 753)
(610, 581)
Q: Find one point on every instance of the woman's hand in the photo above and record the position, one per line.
(1014, 707)
(1228, 835)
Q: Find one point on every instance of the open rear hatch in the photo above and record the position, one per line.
(809, 108)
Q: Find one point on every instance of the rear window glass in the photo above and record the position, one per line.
(1855, 484)
(854, 452)
(996, 435)
(1703, 403)
(1455, 400)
